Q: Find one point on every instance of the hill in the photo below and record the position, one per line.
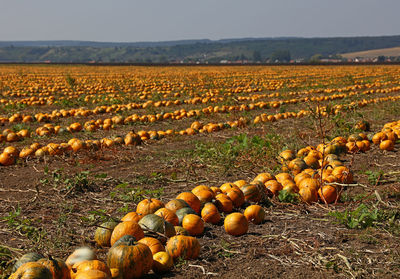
(374, 53)
(249, 49)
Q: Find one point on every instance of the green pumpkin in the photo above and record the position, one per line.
(103, 233)
(131, 258)
(155, 223)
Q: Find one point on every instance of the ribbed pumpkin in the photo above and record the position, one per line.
(154, 223)
(224, 203)
(132, 216)
(205, 196)
(251, 193)
(236, 196)
(387, 145)
(228, 186)
(168, 216)
(176, 204)
(200, 188)
(57, 267)
(210, 214)
(191, 200)
(27, 258)
(102, 235)
(193, 224)
(263, 177)
(343, 174)
(131, 258)
(148, 206)
(274, 186)
(126, 228)
(32, 270)
(162, 262)
(89, 265)
(92, 274)
(181, 246)
(153, 243)
(236, 224)
(282, 176)
(255, 214)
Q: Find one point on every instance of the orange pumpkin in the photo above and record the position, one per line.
(254, 213)
(236, 224)
(126, 228)
(168, 216)
(191, 200)
(210, 214)
(193, 224)
(154, 244)
(148, 206)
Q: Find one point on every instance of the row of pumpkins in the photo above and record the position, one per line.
(157, 234)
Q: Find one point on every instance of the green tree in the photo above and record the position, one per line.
(257, 56)
(280, 56)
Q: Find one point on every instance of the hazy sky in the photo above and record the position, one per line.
(160, 20)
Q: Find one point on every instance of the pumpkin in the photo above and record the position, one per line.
(224, 203)
(274, 186)
(181, 213)
(102, 235)
(132, 216)
(228, 186)
(131, 258)
(309, 182)
(251, 193)
(155, 223)
(236, 224)
(6, 159)
(126, 228)
(308, 194)
(176, 204)
(92, 274)
(193, 224)
(32, 270)
(387, 145)
(153, 243)
(240, 183)
(255, 213)
(282, 176)
(162, 262)
(200, 188)
(79, 255)
(27, 258)
(205, 196)
(191, 200)
(263, 177)
(57, 267)
(343, 174)
(148, 206)
(210, 214)
(236, 196)
(168, 216)
(329, 193)
(181, 246)
(89, 265)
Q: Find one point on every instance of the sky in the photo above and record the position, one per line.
(164, 20)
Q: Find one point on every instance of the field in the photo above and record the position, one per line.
(91, 142)
(373, 53)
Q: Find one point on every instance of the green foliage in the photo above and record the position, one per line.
(360, 218)
(126, 193)
(25, 226)
(288, 197)
(374, 176)
(68, 184)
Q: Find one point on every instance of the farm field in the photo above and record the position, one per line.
(81, 145)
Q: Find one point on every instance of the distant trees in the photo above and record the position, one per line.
(280, 56)
(257, 56)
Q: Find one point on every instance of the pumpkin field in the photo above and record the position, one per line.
(199, 171)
